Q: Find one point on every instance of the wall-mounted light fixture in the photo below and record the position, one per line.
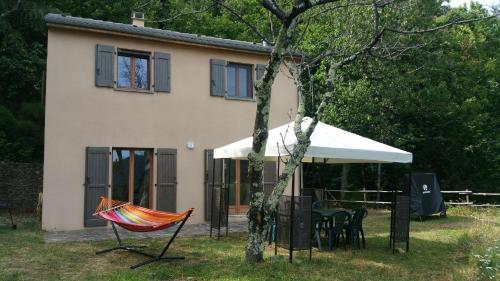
(190, 145)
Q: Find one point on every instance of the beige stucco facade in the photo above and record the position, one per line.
(79, 115)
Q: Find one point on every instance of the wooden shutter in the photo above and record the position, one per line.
(166, 186)
(217, 77)
(96, 183)
(162, 72)
(270, 178)
(259, 71)
(104, 66)
(210, 181)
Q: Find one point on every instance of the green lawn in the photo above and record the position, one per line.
(440, 249)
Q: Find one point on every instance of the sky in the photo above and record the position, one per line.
(456, 3)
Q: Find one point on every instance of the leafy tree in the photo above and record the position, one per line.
(22, 57)
(439, 104)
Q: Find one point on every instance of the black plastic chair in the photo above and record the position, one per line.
(323, 204)
(271, 232)
(355, 227)
(320, 204)
(336, 229)
(316, 227)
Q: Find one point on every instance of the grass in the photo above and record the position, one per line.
(440, 249)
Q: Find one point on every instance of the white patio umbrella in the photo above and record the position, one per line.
(328, 143)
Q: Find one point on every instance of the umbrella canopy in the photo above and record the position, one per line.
(328, 145)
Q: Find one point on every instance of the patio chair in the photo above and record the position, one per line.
(316, 227)
(355, 228)
(271, 232)
(5, 205)
(336, 229)
(319, 205)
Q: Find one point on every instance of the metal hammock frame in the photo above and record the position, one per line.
(113, 205)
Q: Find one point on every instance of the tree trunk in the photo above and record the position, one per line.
(256, 214)
(259, 214)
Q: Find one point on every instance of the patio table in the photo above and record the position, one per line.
(329, 213)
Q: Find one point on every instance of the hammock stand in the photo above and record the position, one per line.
(106, 210)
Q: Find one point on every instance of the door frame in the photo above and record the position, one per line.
(237, 208)
(131, 173)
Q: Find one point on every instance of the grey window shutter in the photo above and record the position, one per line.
(162, 72)
(166, 186)
(210, 181)
(96, 183)
(259, 71)
(104, 66)
(217, 77)
(270, 178)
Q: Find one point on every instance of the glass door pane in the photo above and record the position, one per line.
(244, 183)
(142, 169)
(230, 179)
(120, 178)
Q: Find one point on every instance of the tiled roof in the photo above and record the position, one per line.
(57, 19)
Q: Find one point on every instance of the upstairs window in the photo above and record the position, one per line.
(239, 81)
(133, 70)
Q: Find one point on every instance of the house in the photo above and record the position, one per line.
(134, 112)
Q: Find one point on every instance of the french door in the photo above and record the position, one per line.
(239, 186)
(132, 174)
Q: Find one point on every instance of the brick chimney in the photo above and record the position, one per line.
(138, 19)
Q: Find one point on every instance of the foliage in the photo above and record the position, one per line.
(440, 102)
(489, 262)
(481, 243)
(22, 60)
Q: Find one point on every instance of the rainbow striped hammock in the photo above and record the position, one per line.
(139, 219)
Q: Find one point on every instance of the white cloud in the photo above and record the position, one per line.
(488, 3)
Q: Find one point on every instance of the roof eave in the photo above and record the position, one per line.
(60, 21)
(159, 39)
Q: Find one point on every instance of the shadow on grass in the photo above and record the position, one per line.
(24, 256)
(225, 258)
(379, 224)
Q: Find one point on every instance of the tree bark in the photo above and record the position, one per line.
(303, 138)
(256, 214)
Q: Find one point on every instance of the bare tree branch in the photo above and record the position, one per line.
(242, 19)
(441, 26)
(330, 9)
(181, 14)
(274, 8)
(271, 27)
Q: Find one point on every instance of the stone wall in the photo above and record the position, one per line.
(20, 183)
